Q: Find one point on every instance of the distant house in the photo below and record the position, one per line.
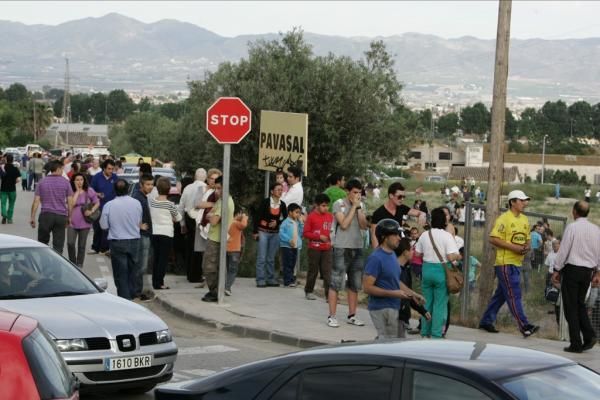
(528, 164)
(78, 136)
(438, 156)
(481, 174)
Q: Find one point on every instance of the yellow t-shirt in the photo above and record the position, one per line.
(513, 230)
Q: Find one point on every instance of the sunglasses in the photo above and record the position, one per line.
(401, 197)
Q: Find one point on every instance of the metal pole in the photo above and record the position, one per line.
(543, 156)
(267, 183)
(224, 223)
(464, 309)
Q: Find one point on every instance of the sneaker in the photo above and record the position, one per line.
(353, 320)
(3, 220)
(10, 221)
(272, 284)
(261, 285)
(530, 330)
(291, 285)
(200, 285)
(589, 345)
(310, 296)
(332, 322)
(144, 297)
(210, 298)
(227, 292)
(488, 328)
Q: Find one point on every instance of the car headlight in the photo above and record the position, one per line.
(163, 336)
(71, 344)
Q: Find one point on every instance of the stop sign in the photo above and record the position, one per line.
(228, 120)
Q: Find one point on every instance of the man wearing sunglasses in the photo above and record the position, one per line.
(393, 208)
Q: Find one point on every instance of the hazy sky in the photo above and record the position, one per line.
(542, 19)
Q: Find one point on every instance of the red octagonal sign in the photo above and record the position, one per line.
(228, 120)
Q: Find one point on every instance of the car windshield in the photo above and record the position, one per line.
(572, 382)
(39, 272)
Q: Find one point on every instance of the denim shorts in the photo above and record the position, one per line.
(347, 261)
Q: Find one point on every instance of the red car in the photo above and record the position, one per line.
(31, 367)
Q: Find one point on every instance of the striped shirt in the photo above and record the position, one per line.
(579, 245)
(54, 191)
(163, 213)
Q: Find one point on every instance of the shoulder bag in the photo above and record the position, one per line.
(454, 277)
(88, 206)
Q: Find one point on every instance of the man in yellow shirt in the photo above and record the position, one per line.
(511, 238)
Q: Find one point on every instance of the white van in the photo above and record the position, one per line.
(32, 148)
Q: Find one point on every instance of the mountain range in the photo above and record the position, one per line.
(115, 51)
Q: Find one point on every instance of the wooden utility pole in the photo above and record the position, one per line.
(496, 169)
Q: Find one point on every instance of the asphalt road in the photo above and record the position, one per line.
(202, 350)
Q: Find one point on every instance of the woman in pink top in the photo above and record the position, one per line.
(77, 231)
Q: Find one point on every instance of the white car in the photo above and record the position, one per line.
(106, 341)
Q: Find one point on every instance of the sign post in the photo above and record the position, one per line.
(228, 120)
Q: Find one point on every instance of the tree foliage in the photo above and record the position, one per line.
(354, 107)
(475, 119)
(448, 124)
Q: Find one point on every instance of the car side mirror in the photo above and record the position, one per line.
(101, 283)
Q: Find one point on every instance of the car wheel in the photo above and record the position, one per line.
(139, 389)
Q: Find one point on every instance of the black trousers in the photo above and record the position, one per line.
(55, 224)
(161, 245)
(193, 259)
(574, 285)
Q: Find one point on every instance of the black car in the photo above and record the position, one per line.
(415, 370)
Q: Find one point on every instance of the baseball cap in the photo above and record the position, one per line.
(518, 194)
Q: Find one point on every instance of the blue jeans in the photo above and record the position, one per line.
(124, 258)
(288, 262)
(509, 291)
(142, 266)
(233, 262)
(268, 244)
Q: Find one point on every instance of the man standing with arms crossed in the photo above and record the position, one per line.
(350, 219)
(578, 263)
(511, 238)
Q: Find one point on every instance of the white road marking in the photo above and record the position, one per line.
(178, 376)
(199, 372)
(206, 350)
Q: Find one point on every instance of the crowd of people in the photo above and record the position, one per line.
(77, 196)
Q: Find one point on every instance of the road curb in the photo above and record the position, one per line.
(241, 330)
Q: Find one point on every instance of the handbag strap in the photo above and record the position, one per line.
(437, 252)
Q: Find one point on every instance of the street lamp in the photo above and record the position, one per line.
(543, 155)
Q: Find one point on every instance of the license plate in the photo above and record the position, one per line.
(121, 363)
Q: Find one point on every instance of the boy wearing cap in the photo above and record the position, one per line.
(511, 238)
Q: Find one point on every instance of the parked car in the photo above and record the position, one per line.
(30, 365)
(435, 178)
(106, 341)
(420, 370)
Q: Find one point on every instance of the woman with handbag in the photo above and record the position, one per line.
(85, 211)
(438, 248)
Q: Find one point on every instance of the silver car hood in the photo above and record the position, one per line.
(84, 316)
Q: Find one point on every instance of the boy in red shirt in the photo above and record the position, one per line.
(317, 230)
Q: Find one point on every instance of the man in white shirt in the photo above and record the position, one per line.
(576, 266)
(191, 196)
(295, 193)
